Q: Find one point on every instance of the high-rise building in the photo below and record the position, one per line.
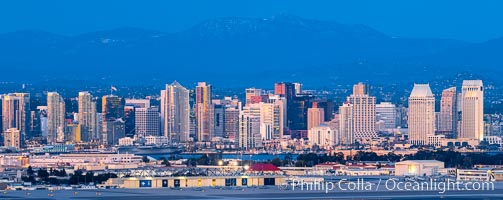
(401, 116)
(16, 113)
(231, 121)
(138, 103)
(87, 117)
(249, 136)
(147, 121)
(271, 119)
(12, 138)
(364, 113)
(298, 88)
(346, 130)
(421, 116)
(219, 116)
(72, 133)
(287, 90)
(361, 89)
(55, 118)
(345, 124)
(35, 126)
(112, 107)
(41, 114)
(315, 117)
(472, 111)
(113, 130)
(448, 117)
(280, 102)
(251, 92)
(297, 113)
(204, 113)
(386, 111)
(101, 127)
(328, 108)
(129, 120)
(175, 112)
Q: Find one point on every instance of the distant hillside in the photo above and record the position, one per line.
(240, 52)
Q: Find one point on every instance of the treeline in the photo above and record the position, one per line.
(450, 158)
(60, 177)
(457, 159)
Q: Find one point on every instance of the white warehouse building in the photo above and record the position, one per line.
(418, 167)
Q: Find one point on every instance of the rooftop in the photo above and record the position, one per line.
(421, 90)
(419, 161)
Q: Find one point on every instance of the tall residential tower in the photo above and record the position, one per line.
(472, 110)
(448, 112)
(421, 114)
(175, 112)
(87, 117)
(55, 118)
(364, 112)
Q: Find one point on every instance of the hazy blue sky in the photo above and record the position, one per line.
(459, 19)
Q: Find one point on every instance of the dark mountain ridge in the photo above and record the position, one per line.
(240, 51)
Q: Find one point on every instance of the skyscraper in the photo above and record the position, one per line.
(361, 89)
(112, 131)
(328, 108)
(287, 90)
(251, 92)
(346, 131)
(297, 112)
(204, 112)
(231, 121)
(87, 117)
(73, 133)
(421, 114)
(147, 121)
(16, 113)
(315, 116)
(386, 112)
(219, 116)
(472, 111)
(112, 107)
(55, 118)
(364, 113)
(129, 120)
(448, 118)
(175, 112)
(138, 103)
(271, 119)
(41, 114)
(249, 135)
(298, 88)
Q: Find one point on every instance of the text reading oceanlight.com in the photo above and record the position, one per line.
(390, 185)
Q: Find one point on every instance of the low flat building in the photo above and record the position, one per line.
(83, 160)
(418, 167)
(474, 175)
(195, 181)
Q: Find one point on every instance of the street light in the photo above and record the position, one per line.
(247, 167)
(220, 163)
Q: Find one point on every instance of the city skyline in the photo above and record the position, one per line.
(259, 99)
(266, 117)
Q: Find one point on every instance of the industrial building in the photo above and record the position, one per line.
(418, 167)
(195, 181)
